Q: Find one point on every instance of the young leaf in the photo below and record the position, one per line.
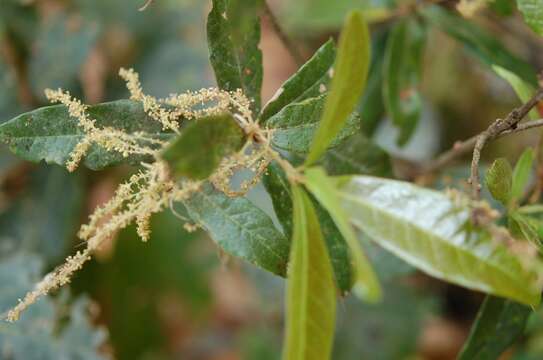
(240, 228)
(483, 45)
(401, 69)
(311, 295)
(295, 125)
(498, 179)
(431, 231)
(233, 34)
(366, 284)
(526, 227)
(198, 151)
(50, 134)
(498, 325)
(523, 90)
(533, 14)
(306, 83)
(348, 81)
(521, 173)
(279, 190)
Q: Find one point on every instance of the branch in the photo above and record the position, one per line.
(292, 49)
(495, 129)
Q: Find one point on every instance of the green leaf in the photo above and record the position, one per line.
(357, 155)
(432, 232)
(498, 325)
(279, 190)
(371, 107)
(348, 81)
(234, 53)
(499, 179)
(402, 64)
(366, 284)
(532, 10)
(306, 83)
(311, 295)
(50, 134)
(41, 333)
(526, 227)
(199, 150)
(240, 228)
(480, 43)
(523, 90)
(521, 173)
(295, 125)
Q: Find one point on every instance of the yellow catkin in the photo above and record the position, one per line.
(151, 190)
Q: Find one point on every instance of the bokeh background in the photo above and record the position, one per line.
(177, 296)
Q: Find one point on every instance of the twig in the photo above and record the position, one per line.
(146, 5)
(496, 128)
(291, 47)
(463, 147)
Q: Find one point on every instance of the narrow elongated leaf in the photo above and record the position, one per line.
(533, 14)
(523, 89)
(311, 298)
(484, 46)
(366, 284)
(234, 53)
(295, 125)
(357, 155)
(240, 228)
(198, 151)
(498, 325)
(50, 134)
(309, 81)
(401, 69)
(521, 173)
(498, 179)
(432, 232)
(349, 79)
(279, 190)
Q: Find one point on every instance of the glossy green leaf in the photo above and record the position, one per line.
(432, 232)
(350, 73)
(366, 285)
(357, 155)
(480, 43)
(521, 173)
(240, 228)
(307, 82)
(50, 134)
(523, 90)
(311, 294)
(295, 125)
(234, 53)
(498, 179)
(279, 190)
(532, 10)
(401, 69)
(498, 325)
(202, 145)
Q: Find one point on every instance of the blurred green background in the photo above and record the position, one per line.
(177, 296)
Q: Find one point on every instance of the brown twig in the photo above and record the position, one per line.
(495, 129)
(291, 47)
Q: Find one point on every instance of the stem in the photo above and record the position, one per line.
(287, 42)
